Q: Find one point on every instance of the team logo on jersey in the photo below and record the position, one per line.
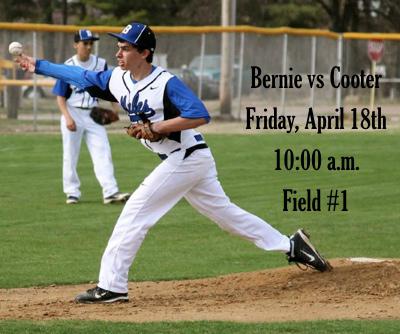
(136, 107)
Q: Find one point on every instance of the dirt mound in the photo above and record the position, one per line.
(353, 290)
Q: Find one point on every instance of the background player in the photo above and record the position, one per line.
(75, 105)
(187, 170)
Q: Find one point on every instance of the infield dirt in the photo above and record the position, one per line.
(351, 291)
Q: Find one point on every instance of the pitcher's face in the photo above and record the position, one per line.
(129, 57)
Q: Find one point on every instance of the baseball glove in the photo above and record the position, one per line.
(143, 131)
(103, 116)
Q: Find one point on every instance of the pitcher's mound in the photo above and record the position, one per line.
(355, 289)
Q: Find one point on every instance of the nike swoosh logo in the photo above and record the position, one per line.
(98, 295)
(151, 88)
(312, 258)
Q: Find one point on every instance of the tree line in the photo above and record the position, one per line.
(335, 15)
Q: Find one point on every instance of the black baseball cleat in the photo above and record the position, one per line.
(303, 252)
(117, 198)
(99, 295)
(72, 200)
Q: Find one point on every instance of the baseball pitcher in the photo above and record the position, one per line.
(164, 115)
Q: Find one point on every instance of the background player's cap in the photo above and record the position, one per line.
(84, 35)
(139, 35)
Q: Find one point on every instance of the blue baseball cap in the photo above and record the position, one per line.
(84, 35)
(138, 34)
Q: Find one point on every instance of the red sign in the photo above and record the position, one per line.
(375, 49)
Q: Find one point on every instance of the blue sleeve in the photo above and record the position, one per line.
(60, 88)
(74, 75)
(185, 100)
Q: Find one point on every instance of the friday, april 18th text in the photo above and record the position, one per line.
(360, 119)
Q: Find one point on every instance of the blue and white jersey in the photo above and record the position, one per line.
(150, 98)
(76, 96)
(159, 96)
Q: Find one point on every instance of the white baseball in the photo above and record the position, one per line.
(15, 48)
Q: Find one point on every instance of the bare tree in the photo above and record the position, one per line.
(343, 14)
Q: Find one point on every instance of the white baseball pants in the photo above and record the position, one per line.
(194, 178)
(98, 145)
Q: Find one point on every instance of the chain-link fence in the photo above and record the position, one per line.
(194, 55)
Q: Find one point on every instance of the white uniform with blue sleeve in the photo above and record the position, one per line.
(79, 104)
(188, 169)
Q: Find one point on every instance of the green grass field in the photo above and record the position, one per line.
(202, 327)
(43, 241)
